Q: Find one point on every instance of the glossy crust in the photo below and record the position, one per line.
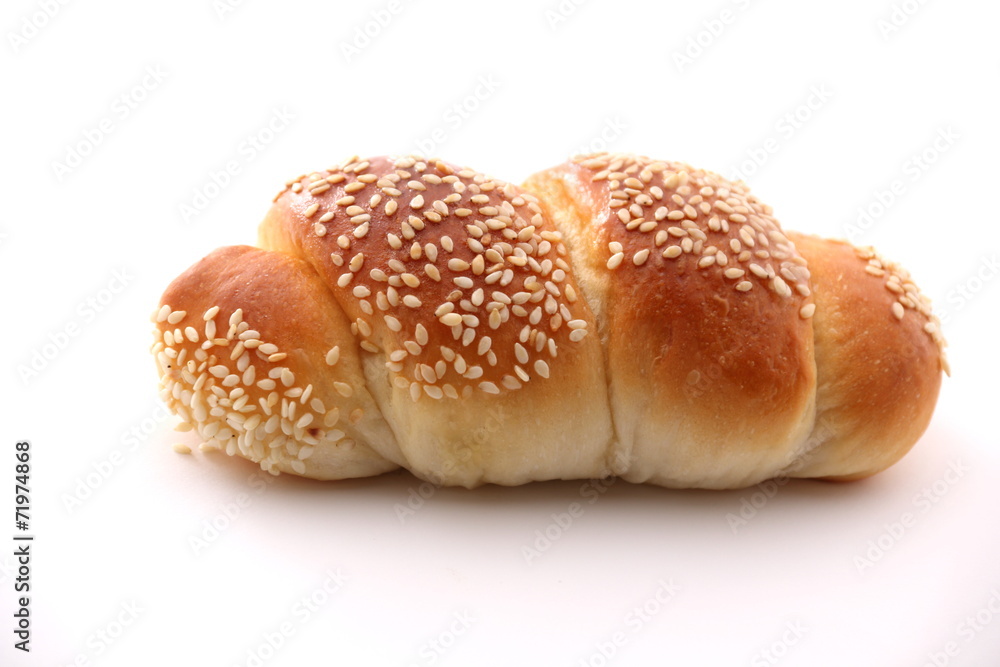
(710, 386)
(879, 374)
(246, 337)
(459, 306)
(616, 315)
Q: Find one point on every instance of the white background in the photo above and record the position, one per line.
(89, 244)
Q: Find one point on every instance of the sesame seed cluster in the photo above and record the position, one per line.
(456, 277)
(670, 212)
(462, 288)
(907, 294)
(207, 365)
(674, 210)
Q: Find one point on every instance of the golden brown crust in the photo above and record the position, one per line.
(431, 255)
(616, 315)
(692, 360)
(879, 374)
(244, 341)
(463, 302)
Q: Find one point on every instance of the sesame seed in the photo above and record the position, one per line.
(781, 287)
(897, 310)
(451, 319)
(807, 311)
(333, 356)
(647, 226)
(874, 270)
(672, 251)
(640, 257)
(744, 286)
(615, 261)
(520, 353)
(363, 327)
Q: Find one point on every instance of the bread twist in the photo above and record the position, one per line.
(615, 315)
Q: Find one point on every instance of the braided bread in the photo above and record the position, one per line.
(615, 315)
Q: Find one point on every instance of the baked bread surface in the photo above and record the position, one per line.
(615, 315)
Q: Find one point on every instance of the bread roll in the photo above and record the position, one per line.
(614, 316)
